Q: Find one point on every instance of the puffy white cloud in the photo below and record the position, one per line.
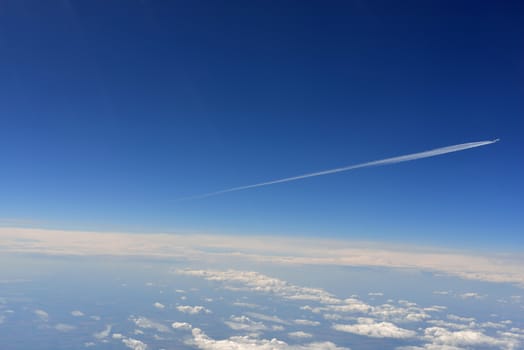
(244, 323)
(369, 328)
(300, 335)
(377, 321)
(44, 316)
(471, 338)
(77, 313)
(435, 308)
(376, 294)
(62, 327)
(350, 305)
(330, 305)
(159, 305)
(257, 282)
(104, 333)
(193, 310)
(181, 325)
(204, 342)
(146, 323)
(134, 344)
(117, 336)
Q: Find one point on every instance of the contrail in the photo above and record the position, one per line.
(393, 160)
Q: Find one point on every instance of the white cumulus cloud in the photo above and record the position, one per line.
(44, 316)
(103, 334)
(193, 310)
(470, 338)
(134, 344)
(370, 328)
(181, 325)
(159, 305)
(300, 335)
(204, 342)
(244, 323)
(146, 323)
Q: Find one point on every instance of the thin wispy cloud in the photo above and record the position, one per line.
(386, 161)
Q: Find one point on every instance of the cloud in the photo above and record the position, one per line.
(441, 292)
(300, 335)
(306, 322)
(369, 328)
(274, 319)
(204, 342)
(471, 295)
(330, 305)
(257, 282)
(44, 316)
(62, 327)
(146, 323)
(376, 294)
(380, 321)
(181, 325)
(435, 308)
(193, 310)
(244, 323)
(159, 305)
(134, 344)
(486, 267)
(104, 333)
(407, 312)
(247, 305)
(77, 313)
(442, 337)
(460, 318)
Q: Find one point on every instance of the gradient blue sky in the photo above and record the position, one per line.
(111, 110)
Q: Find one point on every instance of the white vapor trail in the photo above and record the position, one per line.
(393, 160)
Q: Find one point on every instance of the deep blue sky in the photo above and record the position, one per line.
(111, 110)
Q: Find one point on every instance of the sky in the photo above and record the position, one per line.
(112, 111)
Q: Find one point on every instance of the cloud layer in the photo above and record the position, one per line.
(493, 268)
